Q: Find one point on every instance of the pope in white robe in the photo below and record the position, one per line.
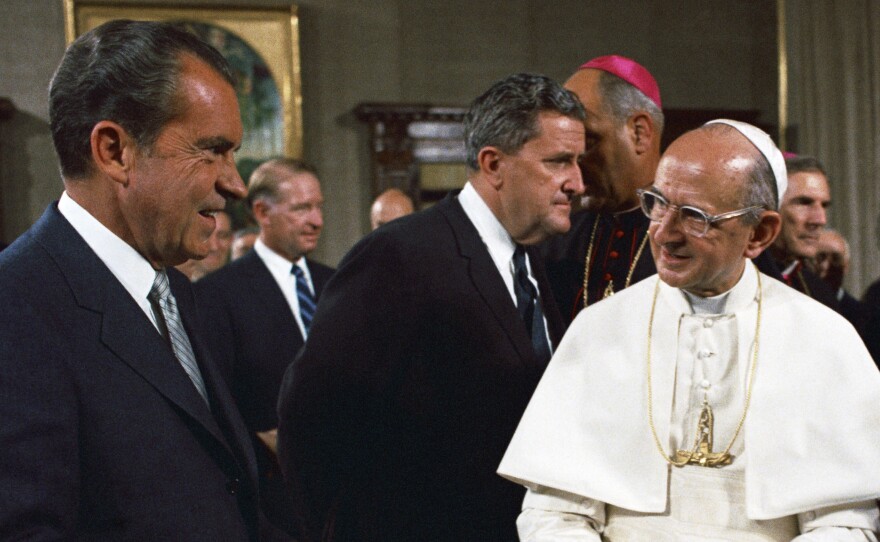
(712, 359)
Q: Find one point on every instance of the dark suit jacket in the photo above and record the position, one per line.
(395, 415)
(253, 335)
(103, 435)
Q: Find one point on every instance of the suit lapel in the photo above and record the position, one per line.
(320, 276)
(266, 292)
(126, 330)
(224, 408)
(548, 303)
(486, 278)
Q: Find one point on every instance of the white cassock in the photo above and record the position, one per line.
(807, 459)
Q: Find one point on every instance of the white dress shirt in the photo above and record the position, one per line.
(498, 242)
(127, 265)
(280, 268)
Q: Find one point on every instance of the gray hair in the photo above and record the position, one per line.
(623, 100)
(123, 71)
(506, 115)
(269, 175)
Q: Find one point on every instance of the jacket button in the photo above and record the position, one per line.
(232, 486)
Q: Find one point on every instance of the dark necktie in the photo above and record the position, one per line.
(529, 306)
(160, 294)
(305, 298)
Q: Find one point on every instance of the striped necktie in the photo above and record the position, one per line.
(529, 306)
(160, 294)
(305, 298)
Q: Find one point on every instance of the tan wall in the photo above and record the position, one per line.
(705, 54)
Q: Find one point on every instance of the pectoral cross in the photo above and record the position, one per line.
(702, 453)
(609, 290)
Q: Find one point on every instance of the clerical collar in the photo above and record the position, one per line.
(790, 268)
(627, 211)
(707, 305)
(737, 298)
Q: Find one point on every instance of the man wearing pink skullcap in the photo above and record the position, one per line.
(605, 249)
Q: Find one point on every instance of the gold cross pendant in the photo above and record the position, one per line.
(702, 453)
(609, 290)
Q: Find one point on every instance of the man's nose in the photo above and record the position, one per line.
(229, 183)
(820, 216)
(668, 229)
(575, 186)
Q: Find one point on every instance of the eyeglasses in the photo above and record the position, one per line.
(694, 221)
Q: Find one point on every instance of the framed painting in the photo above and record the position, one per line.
(262, 47)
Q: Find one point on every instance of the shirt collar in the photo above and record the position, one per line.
(493, 234)
(274, 261)
(127, 265)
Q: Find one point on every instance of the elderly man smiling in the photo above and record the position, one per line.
(715, 408)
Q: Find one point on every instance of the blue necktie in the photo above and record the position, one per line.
(529, 307)
(305, 298)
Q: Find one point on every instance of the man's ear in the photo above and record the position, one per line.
(260, 210)
(641, 132)
(763, 234)
(112, 150)
(489, 160)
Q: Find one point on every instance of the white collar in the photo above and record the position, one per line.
(493, 234)
(739, 297)
(127, 265)
(276, 261)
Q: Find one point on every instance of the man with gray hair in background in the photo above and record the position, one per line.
(258, 309)
(604, 251)
(430, 338)
(715, 407)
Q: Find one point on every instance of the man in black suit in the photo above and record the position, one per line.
(116, 424)
(256, 314)
(431, 337)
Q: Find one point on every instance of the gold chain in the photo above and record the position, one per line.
(800, 277)
(748, 390)
(589, 258)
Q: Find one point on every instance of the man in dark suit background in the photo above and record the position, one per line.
(258, 309)
(431, 337)
(116, 424)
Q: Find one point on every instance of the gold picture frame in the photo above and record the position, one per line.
(272, 33)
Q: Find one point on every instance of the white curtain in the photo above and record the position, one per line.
(833, 49)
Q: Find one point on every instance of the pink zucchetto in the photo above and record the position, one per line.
(630, 71)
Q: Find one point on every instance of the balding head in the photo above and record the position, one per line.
(390, 204)
(711, 169)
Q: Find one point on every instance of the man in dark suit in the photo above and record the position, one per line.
(431, 337)
(116, 424)
(258, 308)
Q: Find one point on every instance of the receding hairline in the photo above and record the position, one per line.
(718, 136)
